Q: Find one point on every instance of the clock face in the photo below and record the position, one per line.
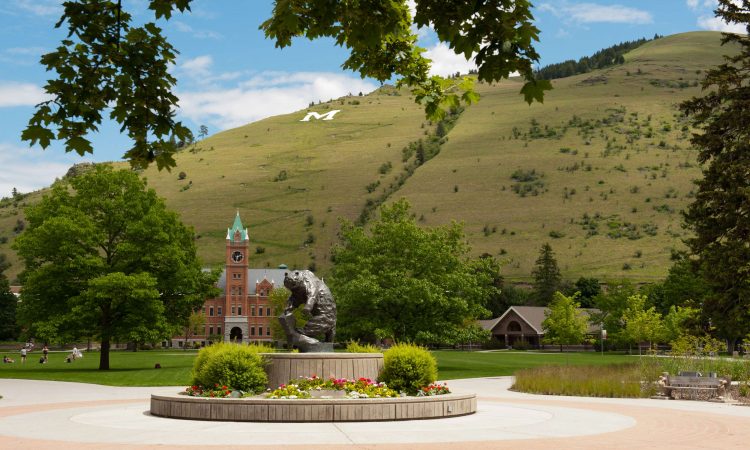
(237, 256)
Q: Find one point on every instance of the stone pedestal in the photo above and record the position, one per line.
(283, 367)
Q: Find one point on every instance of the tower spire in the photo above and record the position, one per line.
(237, 231)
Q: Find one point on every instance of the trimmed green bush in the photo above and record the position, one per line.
(356, 347)
(238, 366)
(408, 367)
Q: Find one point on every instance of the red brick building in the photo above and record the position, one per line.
(242, 312)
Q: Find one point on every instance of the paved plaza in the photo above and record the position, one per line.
(56, 415)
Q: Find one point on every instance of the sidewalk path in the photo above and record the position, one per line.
(61, 416)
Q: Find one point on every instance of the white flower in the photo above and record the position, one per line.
(292, 396)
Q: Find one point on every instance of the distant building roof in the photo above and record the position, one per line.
(533, 316)
(275, 276)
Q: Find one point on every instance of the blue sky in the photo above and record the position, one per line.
(230, 75)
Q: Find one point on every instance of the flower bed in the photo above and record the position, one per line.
(360, 388)
(214, 392)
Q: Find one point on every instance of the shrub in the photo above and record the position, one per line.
(408, 368)
(356, 347)
(241, 367)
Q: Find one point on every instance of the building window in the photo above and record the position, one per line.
(219, 311)
(260, 331)
(237, 276)
(239, 310)
(211, 311)
(252, 331)
(268, 331)
(260, 311)
(218, 330)
(239, 291)
(514, 326)
(232, 309)
(210, 331)
(268, 311)
(252, 310)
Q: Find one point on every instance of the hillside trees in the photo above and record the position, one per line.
(105, 259)
(547, 278)
(107, 63)
(720, 214)
(397, 280)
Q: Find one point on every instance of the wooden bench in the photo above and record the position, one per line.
(693, 386)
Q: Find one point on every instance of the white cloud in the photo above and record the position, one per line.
(264, 95)
(198, 67)
(717, 24)
(696, 5)
(198, 34)
(13, 93)
(28, 169)
(446, 62)
(31, 51)
(40, 7)
(595, 13)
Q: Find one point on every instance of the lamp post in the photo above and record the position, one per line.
(604, 337)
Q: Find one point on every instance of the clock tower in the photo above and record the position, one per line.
(235, 294)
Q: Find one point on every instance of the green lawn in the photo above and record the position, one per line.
(127, 368)
(137, 368)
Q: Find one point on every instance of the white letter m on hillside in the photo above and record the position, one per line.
(327, 116)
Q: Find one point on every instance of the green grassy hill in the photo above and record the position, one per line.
(600, 170)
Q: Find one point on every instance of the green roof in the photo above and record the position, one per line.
(237, 226)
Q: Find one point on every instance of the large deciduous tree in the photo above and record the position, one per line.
(401, 281)
(106, 63)
(720, 214)
(565, 323)
(106, 259)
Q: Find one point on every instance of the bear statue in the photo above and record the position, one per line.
(316, 300)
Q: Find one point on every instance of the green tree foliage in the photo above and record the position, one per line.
(105, 259)
(8, 327)
(401, 281)
(678, 322)
(611, 304)
(106, 62)
(547, 278)
(718, 216)
(684, 286)
(641, 323)
(588, 288)
(277, 299)
(488, 268)
(565, 322)
(195, 324)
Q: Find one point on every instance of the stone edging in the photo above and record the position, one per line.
(259, 409)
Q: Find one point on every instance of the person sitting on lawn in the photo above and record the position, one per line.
(7, 360)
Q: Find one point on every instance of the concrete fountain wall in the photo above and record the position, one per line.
(284, 367)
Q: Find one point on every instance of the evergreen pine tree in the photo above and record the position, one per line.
(547, 277)
(719, 215)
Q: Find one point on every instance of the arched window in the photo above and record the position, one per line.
(514, 326)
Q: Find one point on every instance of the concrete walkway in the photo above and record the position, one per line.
(55, 415)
